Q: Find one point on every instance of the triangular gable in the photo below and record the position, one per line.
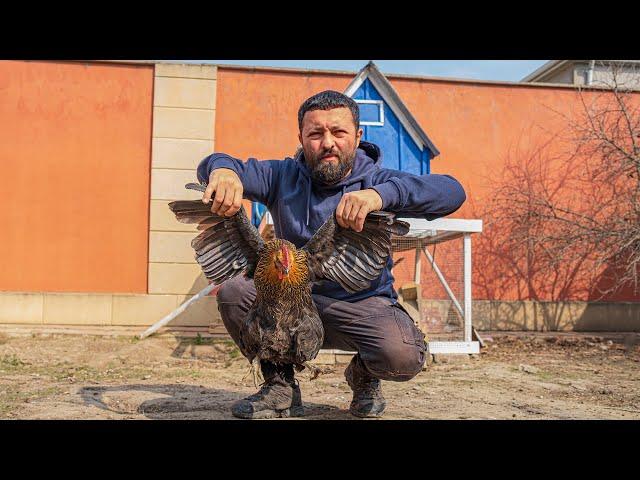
(392, 99)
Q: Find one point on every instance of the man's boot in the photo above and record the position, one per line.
(279, 395)
(367, 392)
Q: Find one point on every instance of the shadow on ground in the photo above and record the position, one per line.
(186, 402)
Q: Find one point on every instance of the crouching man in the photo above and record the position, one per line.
(334, 172)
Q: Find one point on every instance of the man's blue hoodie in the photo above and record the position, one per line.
(299, 206)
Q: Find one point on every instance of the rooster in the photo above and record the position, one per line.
(283, 326)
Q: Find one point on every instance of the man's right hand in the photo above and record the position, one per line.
(227, 187)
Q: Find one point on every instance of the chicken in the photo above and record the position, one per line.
(283, 326)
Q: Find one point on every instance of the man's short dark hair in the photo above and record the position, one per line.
(328, 100)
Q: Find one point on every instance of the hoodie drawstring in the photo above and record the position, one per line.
(344, 188)
(308, 199)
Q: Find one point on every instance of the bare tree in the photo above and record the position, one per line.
(522, 255)
(601, 212)
(563, 227)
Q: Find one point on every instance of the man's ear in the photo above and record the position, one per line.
(358, 137)
(300, 137)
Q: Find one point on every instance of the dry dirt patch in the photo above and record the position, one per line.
(515, 377)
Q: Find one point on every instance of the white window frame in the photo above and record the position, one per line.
(380, 104)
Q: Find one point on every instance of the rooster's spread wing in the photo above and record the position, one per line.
(352, 258)
(227, 246)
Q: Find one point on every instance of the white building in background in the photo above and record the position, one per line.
(588, 72)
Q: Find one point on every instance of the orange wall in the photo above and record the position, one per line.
(257, 112)
(473, 125)
(75, 152)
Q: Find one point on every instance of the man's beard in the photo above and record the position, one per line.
(330, 172)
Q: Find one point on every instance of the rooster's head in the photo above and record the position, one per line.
(283, 260)
(281, 265)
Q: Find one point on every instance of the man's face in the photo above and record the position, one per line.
(329, 140)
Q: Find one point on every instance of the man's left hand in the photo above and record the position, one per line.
(355, 206)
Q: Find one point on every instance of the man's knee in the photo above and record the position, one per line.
(401, 354)
(235, 298)
(398, 363)
(233, 291)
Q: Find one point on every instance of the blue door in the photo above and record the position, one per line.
(257, 212)
(382, 127)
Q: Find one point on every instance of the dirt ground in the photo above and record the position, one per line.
(514, 377)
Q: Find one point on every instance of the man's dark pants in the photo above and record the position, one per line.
(384, 335)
